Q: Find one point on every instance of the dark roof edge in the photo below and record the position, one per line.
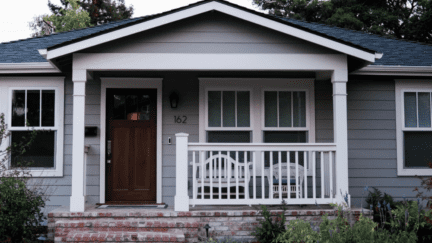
(394, 70)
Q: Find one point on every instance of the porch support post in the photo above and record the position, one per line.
(77, 199)
(339, 81)
(181, 199)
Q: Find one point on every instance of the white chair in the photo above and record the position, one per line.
(228, 173)
(296, 187)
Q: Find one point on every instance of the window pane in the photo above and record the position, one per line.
(40, 153)
(119, 107)
(424, 109)
(33, 107)
(243, 109)
(299, 105)
(228, 108)
(285, 109)
(48, 111)
(410, 109)
(18, 101)
(417, 149)
(214, 108)
(270, 106)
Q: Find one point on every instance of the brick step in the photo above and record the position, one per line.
(91, 236)
(128, 223)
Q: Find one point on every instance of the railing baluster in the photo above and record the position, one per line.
(331, 174)
(246, 174)
(194, 179)
(203, 175)
(211, 174)
(229, 166)
(322, 174)
(306, 162)
(271, 176)
(289, 174)
(314, 174)
(254, 174)
(262, 176)
(237, 175)
(220, 172)
(280, 174)
(296, 175)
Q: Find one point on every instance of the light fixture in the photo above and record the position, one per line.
(174, 99)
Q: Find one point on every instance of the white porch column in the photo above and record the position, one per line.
(77, 199)
(181, 199)
(339, 80)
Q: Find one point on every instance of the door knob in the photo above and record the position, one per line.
(109, 148)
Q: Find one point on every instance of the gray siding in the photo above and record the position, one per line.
(187, 87)
(372, 140)
(210, 33)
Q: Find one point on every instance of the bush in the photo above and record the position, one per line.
(297, 231)
(380, 205)
(20, 204)
(269, 228)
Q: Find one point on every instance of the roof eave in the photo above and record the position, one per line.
(29, 67)
(394, 70)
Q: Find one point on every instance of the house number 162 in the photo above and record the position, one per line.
(180, 119)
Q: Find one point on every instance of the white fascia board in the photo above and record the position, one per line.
(253, 18)
(29, 67)
(395, 70)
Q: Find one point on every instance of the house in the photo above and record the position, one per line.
(139, 109)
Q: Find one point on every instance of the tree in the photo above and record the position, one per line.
(71, 18)
(404, 19)
(100, 12)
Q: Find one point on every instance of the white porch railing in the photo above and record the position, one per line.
(252, 173)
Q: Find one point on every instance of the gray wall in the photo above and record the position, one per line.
(210, 33)
(372, 139)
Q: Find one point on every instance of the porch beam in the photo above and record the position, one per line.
(77, 199)
(340, 120)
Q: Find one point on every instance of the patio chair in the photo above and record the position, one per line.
(227, 167)
(292, 183)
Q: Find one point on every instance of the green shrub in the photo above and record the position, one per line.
(20, 204)
(380, 204)
(297, 231)
(269, 228)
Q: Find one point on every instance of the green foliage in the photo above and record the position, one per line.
(73, 17)
(297, 231)
(269, 228)
(224, 240)
(381, 205)
(404, 19)
(20, 204)
(20, 209)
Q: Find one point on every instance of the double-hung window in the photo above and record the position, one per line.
(36, 106)
(285, 120)
(414, 130)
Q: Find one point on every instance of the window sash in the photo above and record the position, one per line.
(26, 110)
(296, 113)
(416, 110)
(217, 109)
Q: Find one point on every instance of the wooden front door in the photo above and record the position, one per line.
(131, 145)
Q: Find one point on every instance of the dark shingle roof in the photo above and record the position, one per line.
(396, 52)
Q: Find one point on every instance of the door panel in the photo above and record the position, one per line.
(131, 119)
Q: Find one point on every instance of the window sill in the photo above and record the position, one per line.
(42, 173)
(414, 172)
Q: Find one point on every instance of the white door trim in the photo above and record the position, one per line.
(132, 83)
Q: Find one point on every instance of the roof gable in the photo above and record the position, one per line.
(203, 7)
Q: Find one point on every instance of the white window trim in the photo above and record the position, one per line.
(257, 102)
(222, 128)
(7, 84)
(402, 86)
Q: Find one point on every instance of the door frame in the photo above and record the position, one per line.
(139, 83)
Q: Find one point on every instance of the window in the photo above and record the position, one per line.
(35, 103)
(228, 108)
(414, 132)
(285, 109)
